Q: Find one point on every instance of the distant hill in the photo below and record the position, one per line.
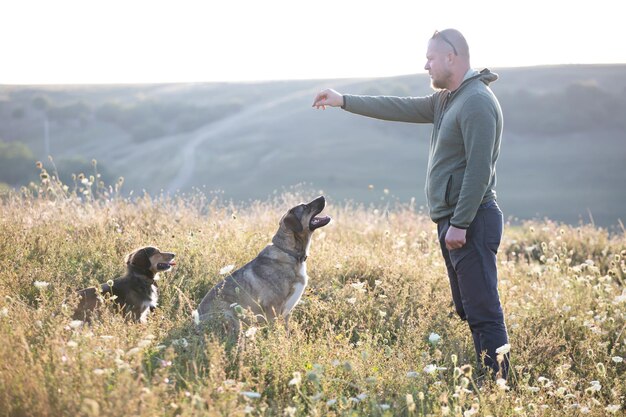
(563, 152)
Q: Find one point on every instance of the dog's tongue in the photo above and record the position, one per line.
(172, 263)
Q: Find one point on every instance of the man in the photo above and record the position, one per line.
(460, 181)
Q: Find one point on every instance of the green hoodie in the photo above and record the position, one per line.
(464, 145)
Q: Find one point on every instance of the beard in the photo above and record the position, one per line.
(441, 83)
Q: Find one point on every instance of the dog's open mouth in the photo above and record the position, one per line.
(317, 222)
(164, 266)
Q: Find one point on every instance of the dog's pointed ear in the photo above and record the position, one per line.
(292, 223)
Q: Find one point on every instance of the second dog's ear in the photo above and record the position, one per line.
(292, 223)
(139, 258)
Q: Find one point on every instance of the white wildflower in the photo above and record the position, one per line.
(351, 300)
(434, 338)
(330, 403)
(251, 394)
(251, 332)
(180, 342)
(225, 270)
(430, 369)
(41, 284)
(196, 317)
(297, 378)
(613, 408)
(595, 386)
(411, 374)
(501, 384)
(617, 359)
(72, 344)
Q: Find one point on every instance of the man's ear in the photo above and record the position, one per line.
(292, 223)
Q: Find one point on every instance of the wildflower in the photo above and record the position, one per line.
(544, 381)
(430, 369)
(472, 411)
(251, 332)
(384, 407)
(351, 300)
(72, 344)
(250, 394)
(362, 396)
(290, 411)
(434, 338)
(411, 374)
(196, 317)
(297, 378)
(359, 286)
(382, 314)
(99, 371)
(595, 387)
(420, 396)
(613, 408)
(4, 312)
(41, 284)
(445, 410)
(180, 342)
(617, 359)
(225, 270)
(330, 403)
(248, 409)
(410, 404)
(501, 384)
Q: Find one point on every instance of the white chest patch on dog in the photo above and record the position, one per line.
(152, 302)
(298, 290)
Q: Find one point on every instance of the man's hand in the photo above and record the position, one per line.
(328, 97)
(455, 238)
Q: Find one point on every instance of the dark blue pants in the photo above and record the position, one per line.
(473, 275)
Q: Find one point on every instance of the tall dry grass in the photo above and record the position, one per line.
(374, 334)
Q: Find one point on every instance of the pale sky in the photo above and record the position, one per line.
(138, 41)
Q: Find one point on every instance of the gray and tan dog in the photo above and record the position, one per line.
(271, 284)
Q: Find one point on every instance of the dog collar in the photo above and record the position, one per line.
(299, 257)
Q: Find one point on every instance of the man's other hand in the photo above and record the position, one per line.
(328, 97)
(455, 238)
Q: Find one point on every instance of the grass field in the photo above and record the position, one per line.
(374, 334)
